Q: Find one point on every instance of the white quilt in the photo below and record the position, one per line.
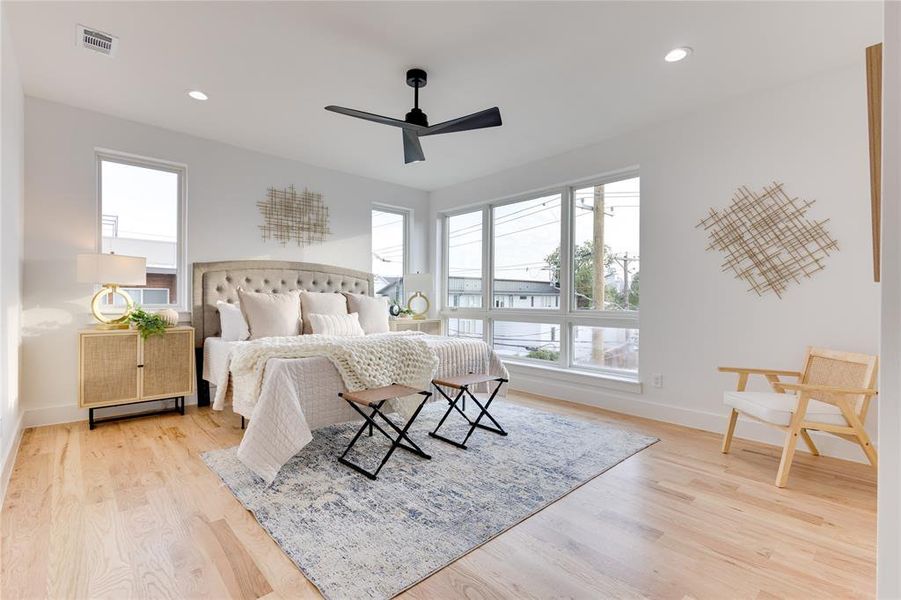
(283, 384)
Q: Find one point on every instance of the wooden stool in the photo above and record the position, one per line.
(374, 399)
(462, 383)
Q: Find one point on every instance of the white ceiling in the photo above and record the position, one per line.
(564, 74)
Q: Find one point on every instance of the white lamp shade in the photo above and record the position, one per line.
(112, 268)
(418, 282)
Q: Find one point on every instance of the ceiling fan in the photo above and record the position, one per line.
(416, 125)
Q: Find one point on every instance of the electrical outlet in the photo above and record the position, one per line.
(657, 380)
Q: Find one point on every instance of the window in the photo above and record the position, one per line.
(144, 296)
(605, 246)
(539, 341)
(141, 204)
(564, 276)
(389, 252)
(468, 328)
(464, 260)
(526, 247)
(609, 348)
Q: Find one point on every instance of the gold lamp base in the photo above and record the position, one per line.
(419, 298)
(105, 322)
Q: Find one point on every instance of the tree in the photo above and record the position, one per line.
(583, 278)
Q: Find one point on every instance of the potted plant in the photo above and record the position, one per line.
(146, 323)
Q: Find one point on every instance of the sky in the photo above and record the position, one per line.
(144, 200)
(387, 243)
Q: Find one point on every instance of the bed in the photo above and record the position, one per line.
(295, 395)
(215, 281)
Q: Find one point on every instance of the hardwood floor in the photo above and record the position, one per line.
(130, 511)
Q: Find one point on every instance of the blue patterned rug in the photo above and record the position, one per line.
(356, 538)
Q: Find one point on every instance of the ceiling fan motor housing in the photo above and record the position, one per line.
(417, 117)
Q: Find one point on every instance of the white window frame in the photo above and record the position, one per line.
(407, 214)
(567, 316)
(181, 265)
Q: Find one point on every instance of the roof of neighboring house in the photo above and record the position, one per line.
(525, 287)
(385, 286)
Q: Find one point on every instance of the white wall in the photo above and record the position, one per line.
(12, 191)
(888, 553)
(813, 137)
(224, 184)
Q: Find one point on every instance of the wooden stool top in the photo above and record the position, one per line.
(375, 395)
(461, 381)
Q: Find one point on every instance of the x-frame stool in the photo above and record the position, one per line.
(374, 399)
(463, 383)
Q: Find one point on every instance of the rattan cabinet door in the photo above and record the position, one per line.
(108, 366)
(169, 364)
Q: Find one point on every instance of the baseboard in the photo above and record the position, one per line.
(631, 404)
(10, 461)
(66, 413)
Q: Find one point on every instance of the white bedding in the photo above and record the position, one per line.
(299, 395)
(215, 358)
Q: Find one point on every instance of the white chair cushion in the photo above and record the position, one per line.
(778, 408)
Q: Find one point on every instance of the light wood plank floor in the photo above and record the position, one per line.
(130, 511)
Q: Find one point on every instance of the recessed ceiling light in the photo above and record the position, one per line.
(197, 95)
(677, 54)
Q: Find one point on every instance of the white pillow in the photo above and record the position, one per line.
(373, 312)
(321, 303)
(232, 323)
(339, 325)
(270, 315)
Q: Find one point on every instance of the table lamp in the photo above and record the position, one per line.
(418, 287)
(111, 271)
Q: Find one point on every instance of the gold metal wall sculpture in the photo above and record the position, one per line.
(767, 239)
(289, 215)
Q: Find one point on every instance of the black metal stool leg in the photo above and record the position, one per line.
(473, 424)
(452, 406)
(497, 427)
(370, 423)
(483, 410)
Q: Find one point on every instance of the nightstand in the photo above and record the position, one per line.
(117, 367)
(431, 326)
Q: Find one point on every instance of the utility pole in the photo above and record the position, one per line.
(623, 262)
(598, 280)
(597, 248)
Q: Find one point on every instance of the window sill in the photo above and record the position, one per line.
(605, 380)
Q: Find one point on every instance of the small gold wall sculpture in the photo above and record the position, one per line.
(767, 239)
(289, 215)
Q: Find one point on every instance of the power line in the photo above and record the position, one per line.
(507, 218)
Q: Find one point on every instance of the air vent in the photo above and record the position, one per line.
(95, 40)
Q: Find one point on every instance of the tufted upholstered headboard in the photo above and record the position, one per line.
(214, 281)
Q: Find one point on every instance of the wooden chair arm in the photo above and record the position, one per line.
(741, 370)
(829, 389)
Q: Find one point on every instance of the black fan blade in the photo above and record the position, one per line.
(490, 117)
(412, 148)
(350, 112)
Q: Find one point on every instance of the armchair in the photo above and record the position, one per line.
(832, 394)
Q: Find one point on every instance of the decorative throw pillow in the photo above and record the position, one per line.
(373, 312)
(270, 315)
(232, 322)
(339, 325)
(321, 303)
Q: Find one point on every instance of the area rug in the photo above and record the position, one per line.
(356, 538)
